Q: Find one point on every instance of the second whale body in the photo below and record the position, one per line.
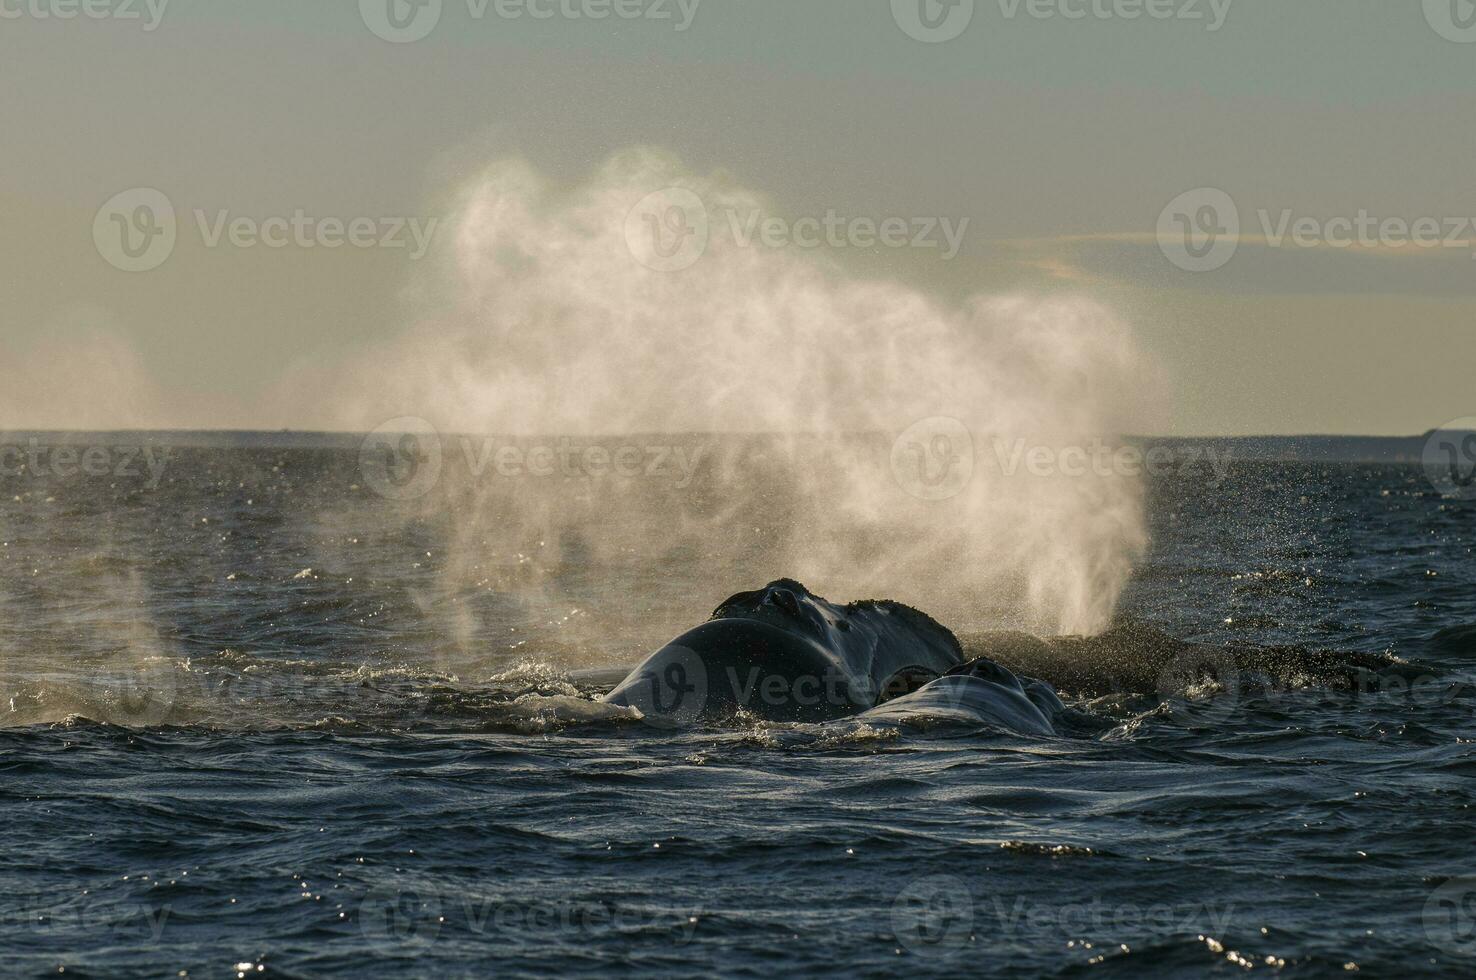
(980, 692)
(782, 653)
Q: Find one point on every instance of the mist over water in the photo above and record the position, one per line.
(380, 428)
(80, 373)
(775, 417)
(339, 669)
(559, 311)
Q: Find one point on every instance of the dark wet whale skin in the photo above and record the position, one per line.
(980, 692)
(785, 654)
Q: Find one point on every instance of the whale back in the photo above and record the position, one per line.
(785, 635)
(877, 639)
(924, 626)
(965, 699)
(899, 647)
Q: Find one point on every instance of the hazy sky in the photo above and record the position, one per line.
(1061, 130)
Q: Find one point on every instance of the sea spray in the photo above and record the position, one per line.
(546, 318)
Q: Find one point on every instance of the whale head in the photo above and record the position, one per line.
(786, 654)
(778, 653)
(787, 605)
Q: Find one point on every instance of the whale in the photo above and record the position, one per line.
(980, 693)
(782, 653)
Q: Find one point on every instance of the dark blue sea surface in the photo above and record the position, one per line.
(253, 726)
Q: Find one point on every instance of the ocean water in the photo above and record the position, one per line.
(259, 720)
